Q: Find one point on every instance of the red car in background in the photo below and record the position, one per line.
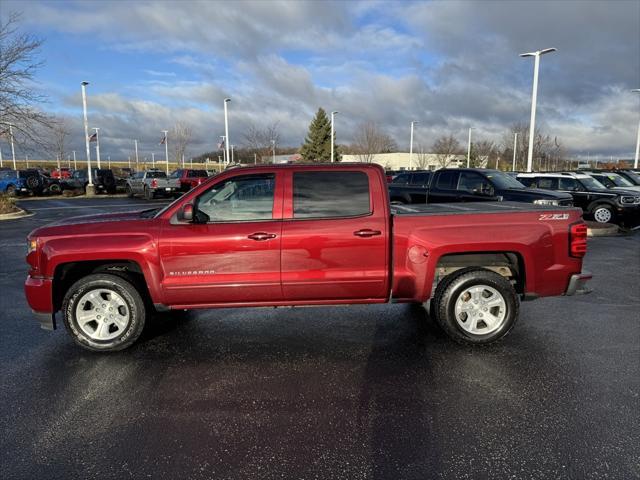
(61, 173)
(184, 179)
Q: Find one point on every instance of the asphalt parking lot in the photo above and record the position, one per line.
(347, 392)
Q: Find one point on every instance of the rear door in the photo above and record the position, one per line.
(335, 236)
(444, 187)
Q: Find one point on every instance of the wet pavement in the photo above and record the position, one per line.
(375, 392)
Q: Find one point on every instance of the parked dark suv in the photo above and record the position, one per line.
(597, 201)
(102, 179)
(39, 183)
(469, 185)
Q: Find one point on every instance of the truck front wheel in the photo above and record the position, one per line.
(475, 306)
(103, 313)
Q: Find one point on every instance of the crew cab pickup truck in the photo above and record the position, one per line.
(184, 179)
(291, 235)
(450, 185)
(151, 184)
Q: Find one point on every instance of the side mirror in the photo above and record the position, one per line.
(187, 212)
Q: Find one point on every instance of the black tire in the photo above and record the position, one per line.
(455, 286)
(33, 182)
(133, 304)
(10, 190)
(603, 213)
(129, 191)
(109, 182)
(55, 188)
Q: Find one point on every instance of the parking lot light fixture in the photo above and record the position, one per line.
(635, 161)
(515, 148)
(135, 142)
(411, 145)
(273, 148)
(469, 148)
(226, 129)
(13, 150)
(86, 134)
(75, 164)
(153, 160)
(166, 149)
(534, 98)
(333, 114)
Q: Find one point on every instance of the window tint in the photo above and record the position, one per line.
(156, 175)
(550, 183)
(568, 184)
(447, 180)
(330, 194)
(473, 182)
(403, 179)
(176, 174)
(419, 178)
(198, 173)
(241, 198)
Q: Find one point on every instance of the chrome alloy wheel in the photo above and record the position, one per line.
(480, 310)
(602, 215)
(102, 314)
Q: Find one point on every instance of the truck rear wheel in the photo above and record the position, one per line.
(103, 313)
(475, 306)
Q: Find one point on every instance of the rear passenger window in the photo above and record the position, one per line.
(447, 180)
(419, 178)
(403, 179)
(568, 184)
(330, 194)
(548, 183)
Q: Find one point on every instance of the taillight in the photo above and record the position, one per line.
(578, 240)
(154, 183)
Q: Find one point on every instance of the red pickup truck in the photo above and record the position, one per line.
(286, 235)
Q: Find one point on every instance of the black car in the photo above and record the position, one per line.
(630, 175)
(38, 183)
(450, 185)
(602, 204)
(102, 179)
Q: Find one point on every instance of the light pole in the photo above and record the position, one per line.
(273, 151)
(411, 146)
(534, 98)
(469, 148)
(333, 114)
(166, 149)
(135, 142)
(109, 161)
(635, 162)
(90, 190)
(75, 164)
(223, 145)
(515, 144)
(97, 146)
(153, 160)
(226, 128)
(13, 150)
(1, 165)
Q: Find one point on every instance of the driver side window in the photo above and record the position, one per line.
(239, 199)
(473, 182)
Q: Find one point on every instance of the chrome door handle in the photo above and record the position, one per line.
(367, 232)
(260, 236)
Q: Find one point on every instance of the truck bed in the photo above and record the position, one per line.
(472, 208)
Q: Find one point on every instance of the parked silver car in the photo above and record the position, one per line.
(150, 184)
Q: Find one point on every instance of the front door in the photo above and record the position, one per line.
(232, 254)
(334, 236)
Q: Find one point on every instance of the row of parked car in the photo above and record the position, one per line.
(149, 183)
(604, 196)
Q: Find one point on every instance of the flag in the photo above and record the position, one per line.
(93, 138)
(4, 132)
(163, 140)
(221, 144)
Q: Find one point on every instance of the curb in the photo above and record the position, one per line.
(15, 215)
(601, 229)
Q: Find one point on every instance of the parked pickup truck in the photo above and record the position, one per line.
(449, 185)
(287, 235)
(184, 179)
(149, 184)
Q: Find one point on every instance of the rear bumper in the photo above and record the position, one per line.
(578, 284)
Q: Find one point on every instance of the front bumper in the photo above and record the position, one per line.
(578, 284)
(38, 291)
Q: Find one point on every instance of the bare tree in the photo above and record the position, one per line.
(371, 140)
(262, 141)
(446, 148)
(181, 137)
(483, 154)
(422, 158)
(60, 133)
(18, 99)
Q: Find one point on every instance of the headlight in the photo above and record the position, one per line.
(32, 245)
(546, 202)
(627, 200)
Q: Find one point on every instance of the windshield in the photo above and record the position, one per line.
(592, 184)
(633, 176)
(502, 180)
(619, 180)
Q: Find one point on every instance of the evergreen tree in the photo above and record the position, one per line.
(317, 144)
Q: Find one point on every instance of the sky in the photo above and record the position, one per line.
(446, 64)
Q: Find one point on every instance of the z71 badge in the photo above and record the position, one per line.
(554, 216)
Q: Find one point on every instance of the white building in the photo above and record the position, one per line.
(400, 160)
